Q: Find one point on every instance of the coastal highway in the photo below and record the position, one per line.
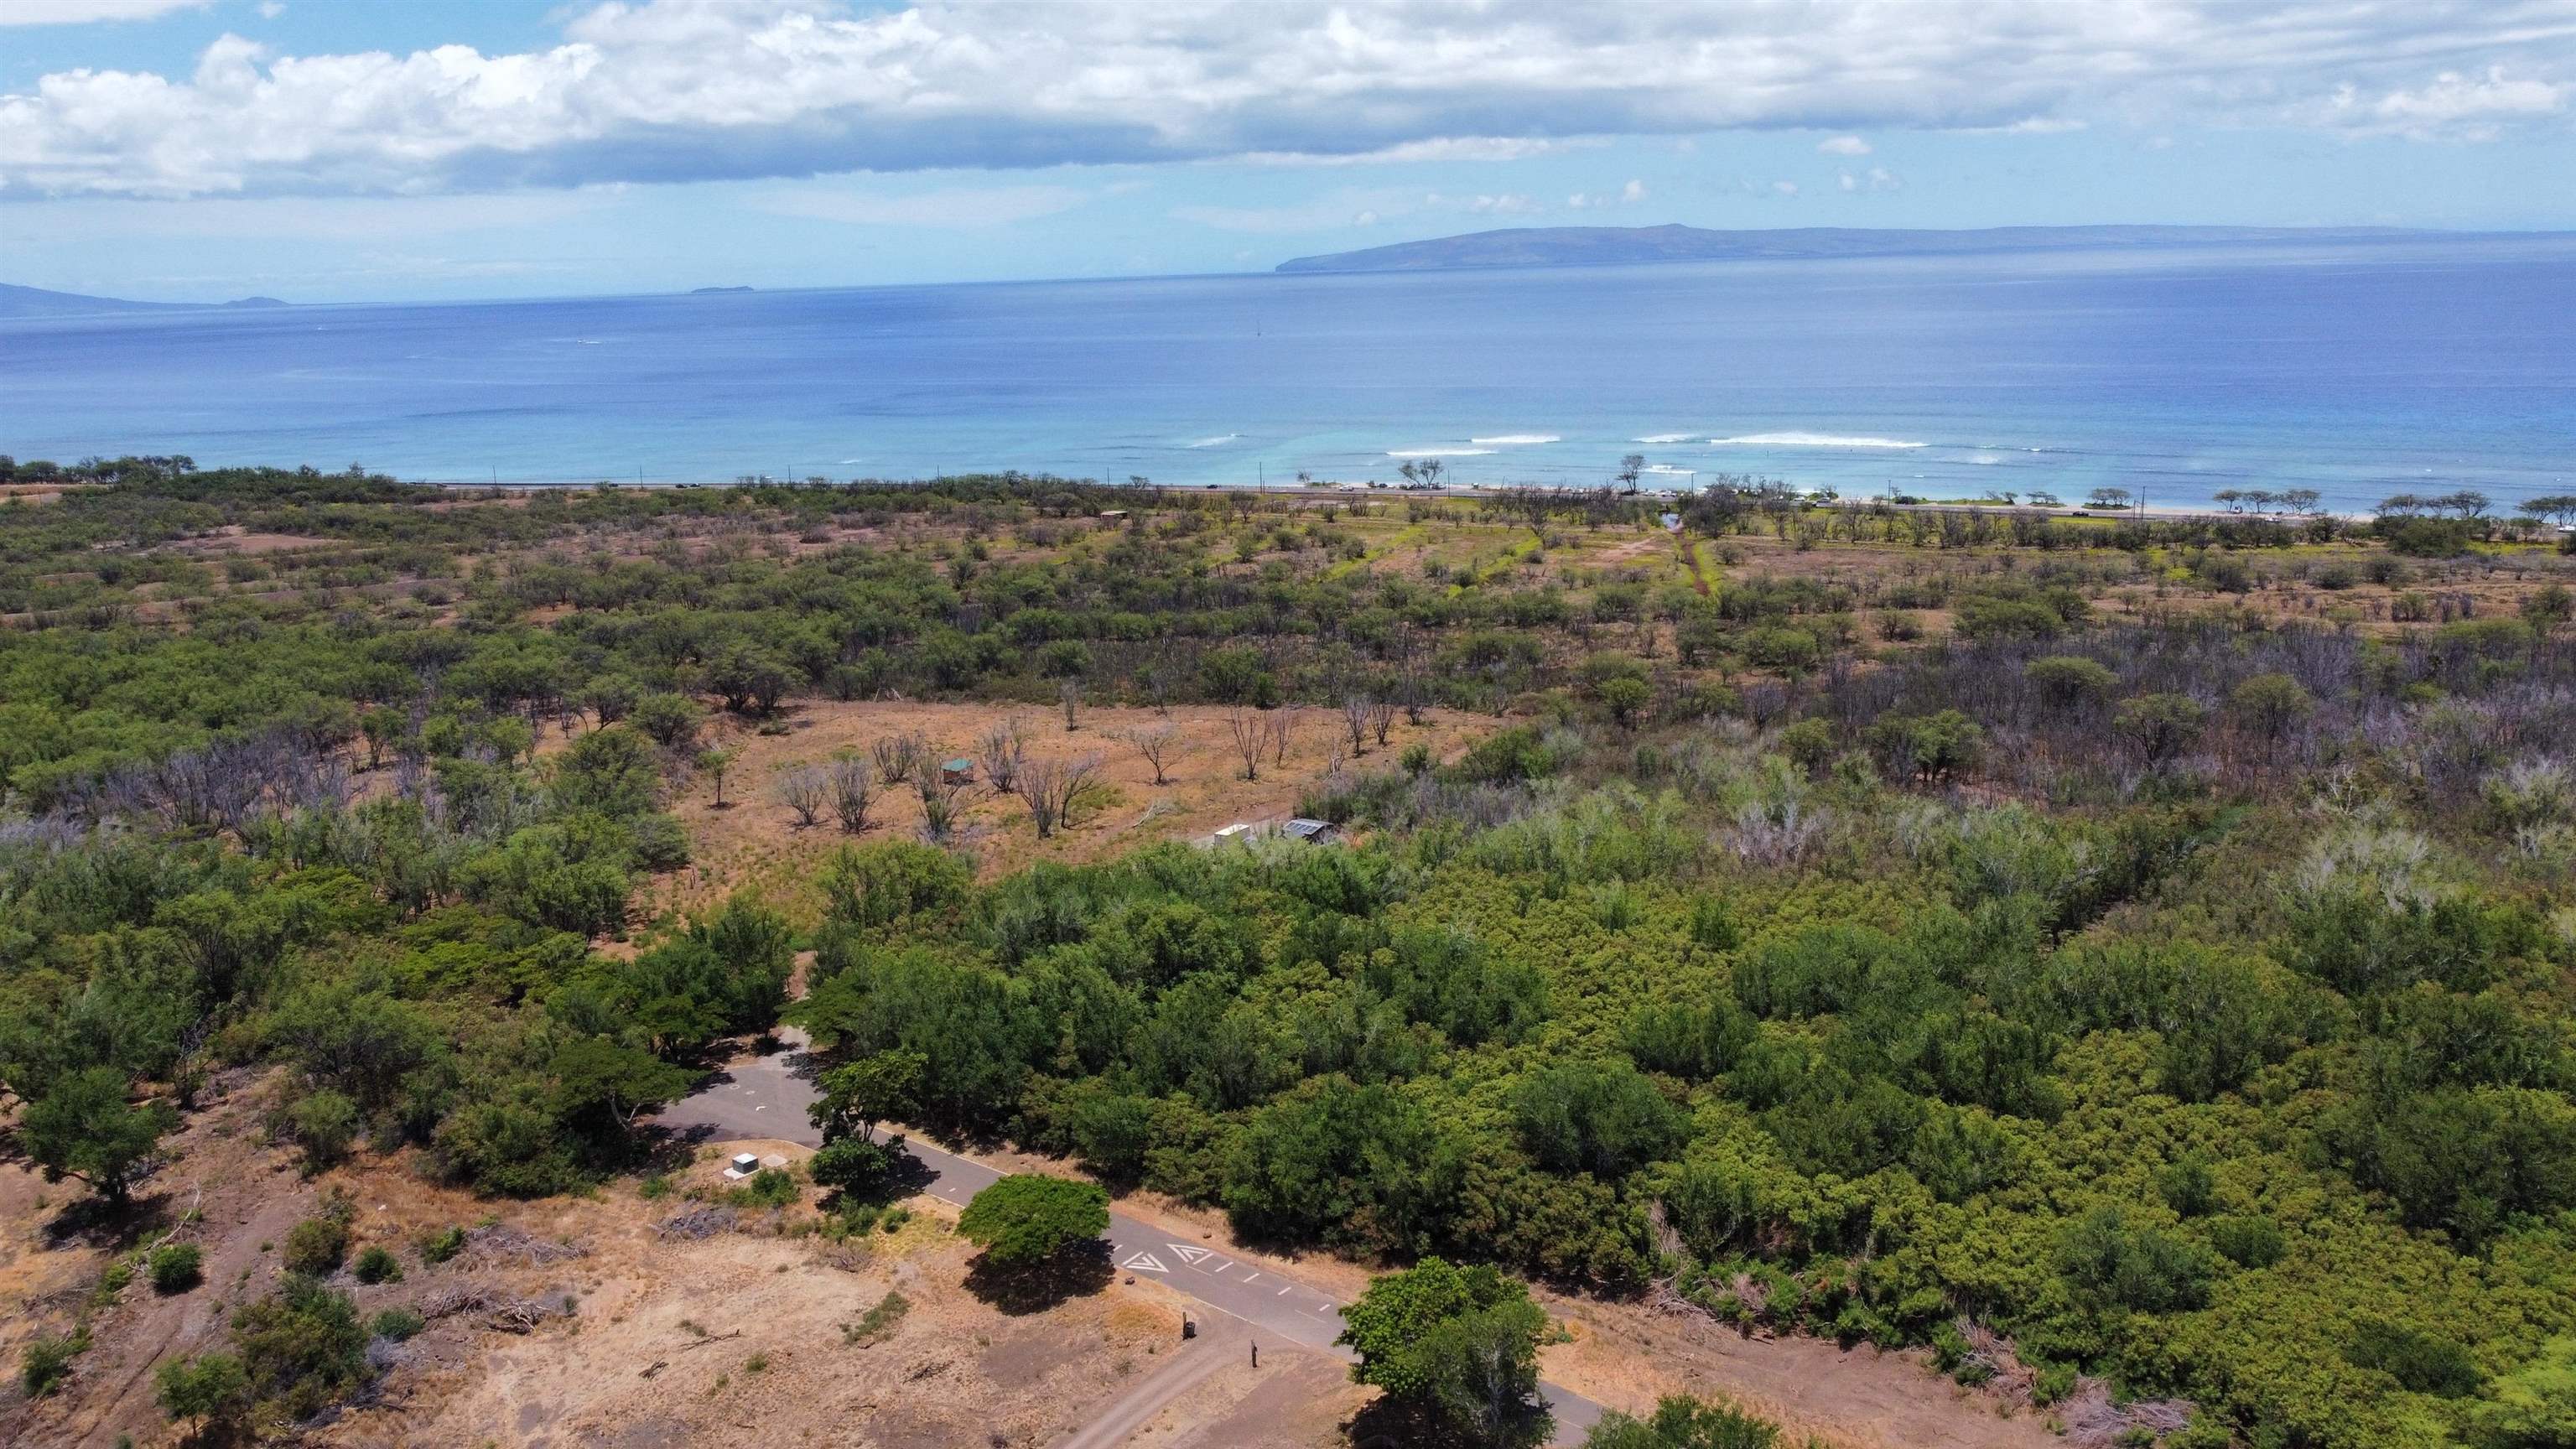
(766, 1096)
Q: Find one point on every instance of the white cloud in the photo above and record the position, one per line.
(77, 12)
(1628, 195)
(2452, 105)
(1847, 182)
(1507, 203)
(271, 9)
(671, 90)
(1844, 146)
(1784, 188)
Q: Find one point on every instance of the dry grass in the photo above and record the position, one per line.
(1626, 1356)
(754, 840)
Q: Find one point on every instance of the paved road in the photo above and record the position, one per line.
(766, 1097)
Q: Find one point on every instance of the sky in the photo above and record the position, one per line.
(339, 150)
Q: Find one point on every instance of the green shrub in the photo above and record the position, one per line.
(442, 1245)
(47, 1361)
(1809, 744)
(396, 1324)
(770, 1187)
(210, 1386)
(877, 1322)
(176, 1267)
(315, 1246)
(324, 1124)
(377, 1264)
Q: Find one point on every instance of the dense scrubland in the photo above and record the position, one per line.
(2131, 957)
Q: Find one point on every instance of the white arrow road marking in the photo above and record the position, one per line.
(1146, 1262)
(1190, 1254)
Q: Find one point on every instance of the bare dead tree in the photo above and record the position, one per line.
(853, 782)
(804, 790)
(1001, 750)
(1250, 731)
(1355, 719)
(938, 802)
(1283, 723)
(1070, 693)
(900, 757)
(1156, 742)
(1049, 786)
(1381, 715)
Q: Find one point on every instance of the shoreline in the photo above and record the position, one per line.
(1323, 491)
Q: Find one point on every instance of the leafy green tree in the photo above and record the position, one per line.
(86, 1129)
(2160, 725)
(858, 1095)
(213, 1387)
(1455, 1349)
(2270, 704)
(1028, 1218)
(611, 771)
(600, 1088)
(1931, 747)
(671, 720)
(2067, 680)
(714, 763)
(1603, 1118)
(2112, 1259)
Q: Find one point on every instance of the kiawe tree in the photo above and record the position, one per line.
(857, 1097)
(1456, 1351)
(85, 1128)
(1028, 1219)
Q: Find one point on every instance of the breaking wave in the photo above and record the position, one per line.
(1810, 440)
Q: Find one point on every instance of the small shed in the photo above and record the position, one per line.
(959, 771)
(1313, 832)
(743, 1165)
(1113, 514)
(1239, 830)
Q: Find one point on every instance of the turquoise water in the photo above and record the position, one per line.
(2359, 371)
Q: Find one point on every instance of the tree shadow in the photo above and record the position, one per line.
(669, 1149)
(1387, 1422)
(91, 1221)
(1021, 1289)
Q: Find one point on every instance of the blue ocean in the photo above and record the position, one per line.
(2357, 370)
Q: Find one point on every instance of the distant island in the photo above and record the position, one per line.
(1598, 246)
(16, 301)
(715, 291)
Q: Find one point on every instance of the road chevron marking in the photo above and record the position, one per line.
(1146, 1262)
(1190, 1254)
